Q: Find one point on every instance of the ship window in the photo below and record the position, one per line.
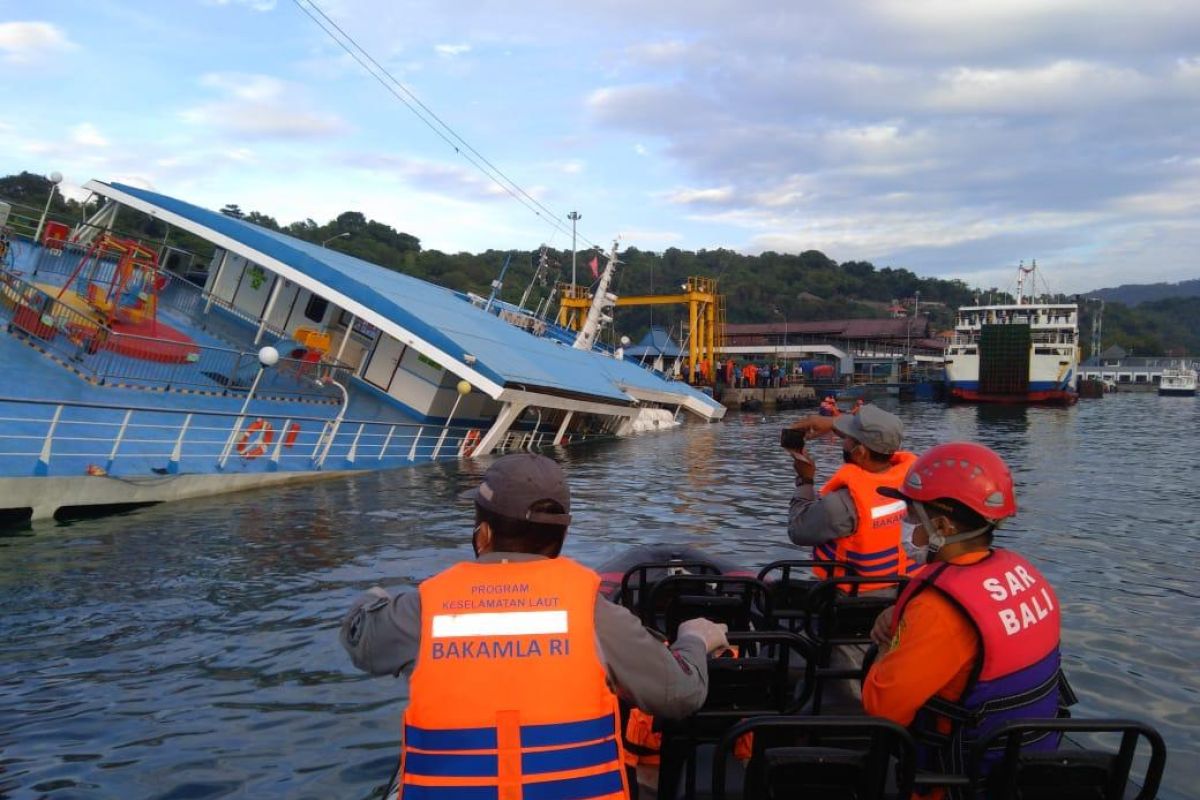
(970, 351)
(316, 308)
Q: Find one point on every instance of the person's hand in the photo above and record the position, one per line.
(806, 468)
(814, 425)
(711, 633)
(881, 631)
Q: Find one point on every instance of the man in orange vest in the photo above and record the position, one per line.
(516, 663)
(973, 641)
(850, 521)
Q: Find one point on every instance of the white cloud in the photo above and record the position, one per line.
(432, 176)
(261, 106)
(1052, 88)
(721, 194)
(640, 149)
(32, 42)
(451, 50)
(87, 135)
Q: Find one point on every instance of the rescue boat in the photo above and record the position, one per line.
(774, 727)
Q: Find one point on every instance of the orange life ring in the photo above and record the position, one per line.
(256, 439)
(470, 442)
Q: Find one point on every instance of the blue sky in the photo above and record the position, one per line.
(949, 137)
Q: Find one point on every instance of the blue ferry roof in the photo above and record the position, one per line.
(434, 315)
(657, 342)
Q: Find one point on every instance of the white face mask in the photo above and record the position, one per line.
(918, 553)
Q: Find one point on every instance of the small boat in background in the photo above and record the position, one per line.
(1178, 382)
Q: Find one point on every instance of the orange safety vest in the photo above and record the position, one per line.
(509, 697)
(874, 549)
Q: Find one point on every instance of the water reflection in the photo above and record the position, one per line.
(190, 650)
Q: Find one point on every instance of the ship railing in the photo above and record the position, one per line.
(80, 342)
(74, 438)
(177, 293)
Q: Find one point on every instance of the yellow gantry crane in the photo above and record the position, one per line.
(706, 316)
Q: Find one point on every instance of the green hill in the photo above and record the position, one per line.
(758, 288)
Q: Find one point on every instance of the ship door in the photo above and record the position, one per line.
(385, 359)
(1004, 359)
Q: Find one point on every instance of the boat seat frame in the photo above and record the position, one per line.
(761, 677)
(803, 756)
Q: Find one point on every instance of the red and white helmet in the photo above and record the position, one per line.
(970, 473)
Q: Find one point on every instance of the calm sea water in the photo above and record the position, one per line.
(190, 650)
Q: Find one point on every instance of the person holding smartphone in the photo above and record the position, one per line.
(847, 519)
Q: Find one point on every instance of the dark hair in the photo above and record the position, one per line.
(522, 536)
(964, 518)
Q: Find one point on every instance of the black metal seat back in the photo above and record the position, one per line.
(791, 583)
(742, 603)
(825, 757)
(640, 579)
(999, 767)
(842, 614)
(768, 673)
(842, 617)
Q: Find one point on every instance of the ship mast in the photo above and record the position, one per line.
(1022, 271)
(596, 315)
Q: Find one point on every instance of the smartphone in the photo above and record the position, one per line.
(792, 438)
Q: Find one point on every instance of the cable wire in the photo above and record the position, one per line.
(428, 117)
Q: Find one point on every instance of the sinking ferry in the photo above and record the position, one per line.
(134, 374)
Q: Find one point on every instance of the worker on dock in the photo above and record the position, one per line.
(515, 662)
(973, 640)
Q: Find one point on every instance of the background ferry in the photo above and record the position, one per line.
(1024, 352)
(137, 372)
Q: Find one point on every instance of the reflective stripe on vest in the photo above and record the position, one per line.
(1015, 613)
(509, 697)
(874, 549)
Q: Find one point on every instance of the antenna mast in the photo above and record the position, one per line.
(596, 315)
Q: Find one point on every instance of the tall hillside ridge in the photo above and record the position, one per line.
(1132, 294)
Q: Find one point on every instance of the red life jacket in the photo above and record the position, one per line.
(874, 548)
(509, 697)
(1016, 674)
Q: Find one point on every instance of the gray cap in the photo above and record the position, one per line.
(873, 428)
(514, 483)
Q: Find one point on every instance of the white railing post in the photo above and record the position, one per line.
(212, 287)
(562, 429)
(337, 358)
(334, 429)
(446, 427)
(412, 451)
(42, 468)
(387, 440)
(177, 451)
(266, 314)
(354, 445)
(112, 456)
(320, 440)
(279, 444)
